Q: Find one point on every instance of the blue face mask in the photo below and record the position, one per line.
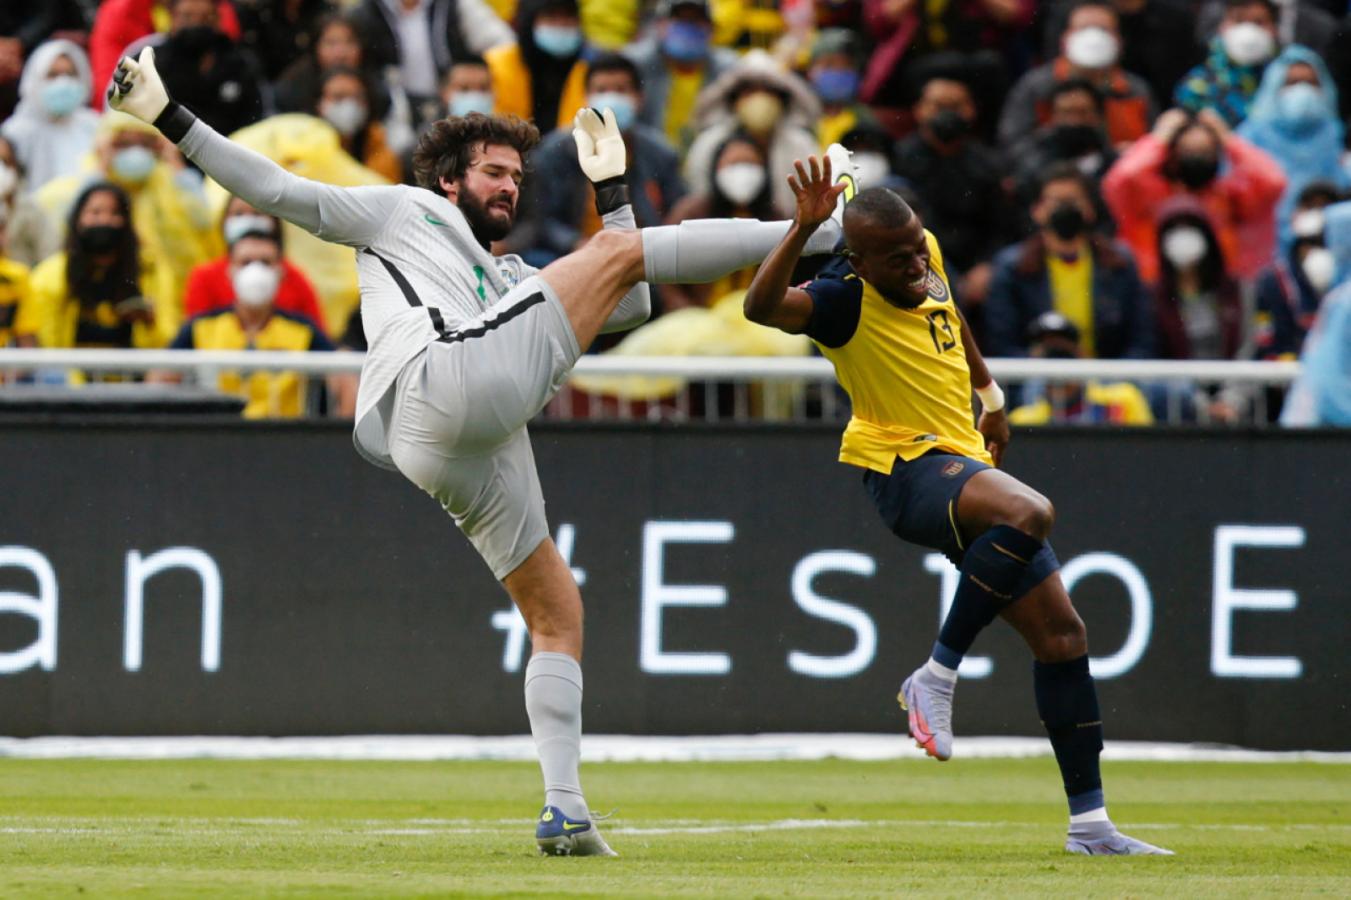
(559, 41)
(835, 85)
(133, 164)
(1300, 104)
(62, 95)
(686, 42)
(466, 102)
(626, 110)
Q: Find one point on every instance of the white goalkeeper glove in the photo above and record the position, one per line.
(600, 146)
(137, 88)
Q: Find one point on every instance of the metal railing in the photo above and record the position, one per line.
(719, 388)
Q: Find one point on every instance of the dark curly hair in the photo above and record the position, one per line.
(445, 149)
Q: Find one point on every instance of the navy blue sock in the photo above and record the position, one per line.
(993, 566)
(1068, 705)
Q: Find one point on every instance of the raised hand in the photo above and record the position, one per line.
(816, 196)
(137, 88)
(600, 146)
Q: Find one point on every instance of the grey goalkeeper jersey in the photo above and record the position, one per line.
(422, 274)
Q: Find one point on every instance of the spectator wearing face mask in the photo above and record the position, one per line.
(53, 127)
(468, 88)
(542, 76)
(1290, 291)
(1197, 302)
(1090, 50)
(738, 186)
(1052, 336)
(1197, 156)
(253, 322)
(677, 61)
(209, 287)
(344, 102)
(1158, 40)
(1294, 119)
(1066, 268)
(1227, 81)
(119, 24)
(97, 292)
(221, 81)
(773, 107)
(562, 211)
(414, 42)
(29, 235)
(960, 181)
(1073, 134)
(834, 75)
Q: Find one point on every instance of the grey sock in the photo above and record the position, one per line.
(553, 701)
(701, 250)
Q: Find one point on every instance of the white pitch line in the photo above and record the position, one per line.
(405, 827)
(614, 748)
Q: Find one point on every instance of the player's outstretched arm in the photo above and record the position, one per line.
(344, 215)
(994, 420)
(771, 300)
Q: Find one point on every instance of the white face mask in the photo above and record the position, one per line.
(740, 182)
(256, 284)
(1319, 265)
(347, 115)
(1248, 44)
(1092, 48)
(1308, 223)
(873, 168)
(1184, 246)
(8, 179)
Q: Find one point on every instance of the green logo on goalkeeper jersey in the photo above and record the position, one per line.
(482, 294)
(428, 217)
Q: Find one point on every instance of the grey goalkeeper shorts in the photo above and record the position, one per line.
(460, 409)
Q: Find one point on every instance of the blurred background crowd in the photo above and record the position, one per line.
(1112, 179)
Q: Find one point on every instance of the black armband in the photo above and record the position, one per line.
(175, 121)
(611, 194)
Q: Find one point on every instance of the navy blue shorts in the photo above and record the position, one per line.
(918, 501)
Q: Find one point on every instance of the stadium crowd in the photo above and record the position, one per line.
(1143, 179)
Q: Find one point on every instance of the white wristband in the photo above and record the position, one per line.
(991, 397)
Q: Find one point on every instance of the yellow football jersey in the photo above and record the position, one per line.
(905, 370)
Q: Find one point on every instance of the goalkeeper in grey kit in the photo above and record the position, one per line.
(466, 347)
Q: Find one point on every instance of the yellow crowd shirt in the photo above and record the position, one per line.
(266, 394)
(1072, 293)
(905, 370)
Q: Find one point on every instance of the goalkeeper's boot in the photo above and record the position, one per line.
(559, 835)
(842, 169)
(928, 699)
(1102, 839)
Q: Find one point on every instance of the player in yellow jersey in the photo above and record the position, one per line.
(883, 313)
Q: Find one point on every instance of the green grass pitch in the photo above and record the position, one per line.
(991, 828)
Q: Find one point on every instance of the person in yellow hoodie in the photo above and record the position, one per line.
(168, 209)
(97, 292)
